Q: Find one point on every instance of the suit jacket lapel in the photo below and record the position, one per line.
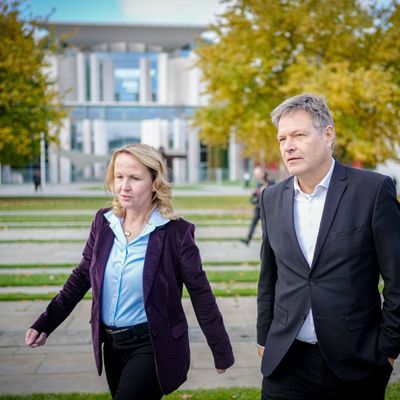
(103, 249)
(152, 258)
(336, 189)
(288, 220)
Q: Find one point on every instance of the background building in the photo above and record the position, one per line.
(129, 84)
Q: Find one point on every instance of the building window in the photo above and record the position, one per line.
(87, 79)
(154, 80)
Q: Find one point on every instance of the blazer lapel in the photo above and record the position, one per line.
(336, 189)
(288, 220)
(151, 260)
(103, 248)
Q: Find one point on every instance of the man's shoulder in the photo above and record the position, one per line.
(278, 187)
(364, 175)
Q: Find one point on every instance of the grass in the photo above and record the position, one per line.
(94, 203)
(68, 265)
(198, 239)
(11, 280)
(237, 393)
(228, 292)
(212, 394)
(89, 218)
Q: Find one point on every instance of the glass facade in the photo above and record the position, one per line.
(126, 74)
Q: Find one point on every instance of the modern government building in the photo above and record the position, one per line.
(130, 84)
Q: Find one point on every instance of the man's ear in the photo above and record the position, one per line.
(330, 136)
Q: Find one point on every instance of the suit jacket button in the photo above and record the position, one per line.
(313, 283)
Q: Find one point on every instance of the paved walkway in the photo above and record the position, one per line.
(66, 362)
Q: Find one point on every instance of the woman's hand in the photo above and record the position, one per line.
(33, 339)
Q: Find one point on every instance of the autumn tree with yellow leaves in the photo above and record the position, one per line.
(29, 101)
(265, 51)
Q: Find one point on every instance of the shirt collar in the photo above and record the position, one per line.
(324, 184)
(155, 220)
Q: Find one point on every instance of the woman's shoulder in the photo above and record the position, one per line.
(179, 223)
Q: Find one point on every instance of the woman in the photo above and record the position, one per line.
(136, 260)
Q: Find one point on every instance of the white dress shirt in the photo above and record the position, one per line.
(308, 210)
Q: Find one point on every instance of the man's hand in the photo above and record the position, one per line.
(391, 360)
(260, 350)
(220, 371)
(33, 339)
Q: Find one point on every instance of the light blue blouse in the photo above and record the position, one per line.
(122, 302)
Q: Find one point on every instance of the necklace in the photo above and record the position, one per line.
(128, 233)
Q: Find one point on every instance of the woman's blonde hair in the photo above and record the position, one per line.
(150, 158)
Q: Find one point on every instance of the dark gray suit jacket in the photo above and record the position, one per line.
(358, 241)
(172, 259)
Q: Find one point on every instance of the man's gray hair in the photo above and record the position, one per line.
(315, 106)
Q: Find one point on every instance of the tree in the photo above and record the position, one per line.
(264, 52)
(29, 101)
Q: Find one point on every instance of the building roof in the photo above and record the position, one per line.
(89, 36)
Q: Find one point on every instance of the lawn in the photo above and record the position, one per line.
(231, 277)
(94, 203)
(392, 393)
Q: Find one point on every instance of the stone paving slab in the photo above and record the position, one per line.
(52, 233)
(53, 253)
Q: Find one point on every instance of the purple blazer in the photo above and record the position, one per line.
(172, 259)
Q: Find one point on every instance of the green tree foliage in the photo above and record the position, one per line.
(28, 99)
(266, 51)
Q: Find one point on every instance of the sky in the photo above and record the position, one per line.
(185, 12)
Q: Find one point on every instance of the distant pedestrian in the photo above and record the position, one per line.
(262, 182)
(246, 179)
(138, 257)
(36, 180)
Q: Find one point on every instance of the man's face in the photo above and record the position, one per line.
(305, 151)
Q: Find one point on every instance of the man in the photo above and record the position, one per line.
(329, 233)
(262, 182)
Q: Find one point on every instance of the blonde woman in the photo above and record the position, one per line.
(136, 260)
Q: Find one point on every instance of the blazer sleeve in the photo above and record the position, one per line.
(386, 231)
(203, 300)
(266, 281)
(76, 286)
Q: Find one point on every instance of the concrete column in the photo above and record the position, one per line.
(100, 146)
(108, 80)
(145, 81)
(94, 78)
(193, 81)
(193, 155)
(65, 144)
(87, 145)
(80, 77)
(162, 79)
(53, 163)
(154, 132)
(179, 166)
(235, 159)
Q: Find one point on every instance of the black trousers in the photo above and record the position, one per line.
(304, 375)
(130, 366)
(253, 224)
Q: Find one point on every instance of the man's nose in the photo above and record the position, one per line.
(289, 145)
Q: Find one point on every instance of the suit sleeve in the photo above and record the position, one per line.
(386, 230)
(203, 300)
(266, 281)
(76, 286)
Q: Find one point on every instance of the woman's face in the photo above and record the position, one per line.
(133, 183)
